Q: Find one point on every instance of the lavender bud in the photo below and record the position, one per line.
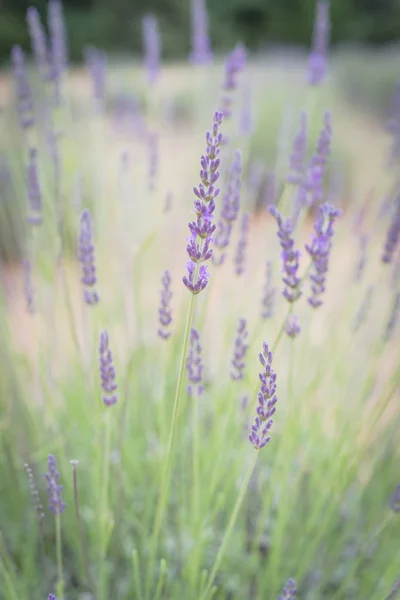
(54, 489)
(201, 231)
(38, 42)
(319, 250)
(393, 235)
(230, 207)
(96, 62)
(298, 155)
(234, 64)
(240, 350)
(86, 257)
(23, 88)
(194, 365)
(317, 60)
(241, 247)
(290, 257)
(393, 317)
(292, 326)
(269, 293)
(267, 399)
(152, 48)
(107, 372)
(165, 313)
(316, 171)
(34, 493)
(28, 287)
(58, 45)
(289, 591)
(34, 192)
(201, 53)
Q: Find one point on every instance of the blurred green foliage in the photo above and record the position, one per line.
(116, 24)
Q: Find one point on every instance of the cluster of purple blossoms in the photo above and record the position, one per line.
(38, 42)
(201, 53)
(165, 313)
(96, 62)
(317, 60)
(33, 187)
(54, 489)
(230, 207)
(194, 365)
(58, 46)
(240, 255)
(152, 48)
(298, 155)
(201, 230)
(290, 257)
(23, 88)
(289, 591)
(28, 287)
(393, 235)
(269, 293)
(267, 399)
(292, 326)
(316, 170)
(319, 250)
(86, 257)
(107, 371)
(240, 350)
(234, 64)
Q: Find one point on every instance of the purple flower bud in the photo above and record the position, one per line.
(289, 591)
(241, 247)
(51, 597)
(34, 192)
(230, 207)
(152, 48)
(240, 350)
(298, 156)
(201, 53)
(28, 287)
(317, 60)
(54, 489)
(38, 42)
(267, 399)
(269, 293)
(316, 171)
(292, 326)
(234, 64)
(393, 234)
(319, 250)
(290, 257)
(194, 365)
(165, 313)
(23, 88)
(86, 257)
(58, 45)
(96, 62)
(107, 372)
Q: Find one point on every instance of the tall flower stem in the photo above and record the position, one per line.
(162, 497)
(104, 523)
(231, 525)
(85, 560)
(60, 578)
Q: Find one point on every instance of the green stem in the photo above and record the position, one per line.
(60, 580)
(162, 498)
(104, 530)
(85, 560)
(230, 526)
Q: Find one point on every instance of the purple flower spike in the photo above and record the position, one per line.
(393, 235)
(292, 326)
(23, 88)
(234, 64)
(58, 46)
(96, 62)
(317, 60)
(201, 53)
(51, 597)
(152, 48)
(269, 293)
(38, 42)
(34, 192)
(319, 250)
(267, 399)
(165, 313)
(240, 255)
(230, 207)
(316, 171)
(194, 365)
(54, 489)
(290, 257)
(86, 257)
(289, 591)
(201, 231)
(240, 351)
(107, 372)
(298, 156)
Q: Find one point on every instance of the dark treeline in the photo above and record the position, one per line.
(116, 24)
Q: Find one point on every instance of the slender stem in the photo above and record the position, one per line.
(162, 497)
(230, 526)
(104, 503)
(136, 574)
(80, 525)
(60, 580)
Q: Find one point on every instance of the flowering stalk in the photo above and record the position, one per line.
(267, 399)
(318, 163)
(58, 47)
(96, 62)
(152, 48)
(317, 60)
(165, 313)
(194, 365)
(57, 507)
(34, 191)
(289, 591)
(38, 42)
(269, 293)
(23, 88)
(80, 525)
(298, 155)
(240, 350)
(86, 257)
(234, 64)
(201, 53)
(39, 513)
(241, 247)
(290, 257)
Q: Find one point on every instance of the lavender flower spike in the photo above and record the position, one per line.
(297, 158)
(316, 171)
(292, 326)
(240, 255)
(58, 45)
(23, 88)
(289, 591)
(317, 60)
(235, 62)
(201, 53)
(51, 597)
(107, 372)
(34, 192)
(240, 351)
(230, 207)
(269, 293)
(201, 230)
(393, 235)
(290, 257)
(164, 311)
(152, 47)
(38, 42)
(54, 489)
(96, 62)
(194, 365)
(319, 250)
(86, 257)
(267, 399)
